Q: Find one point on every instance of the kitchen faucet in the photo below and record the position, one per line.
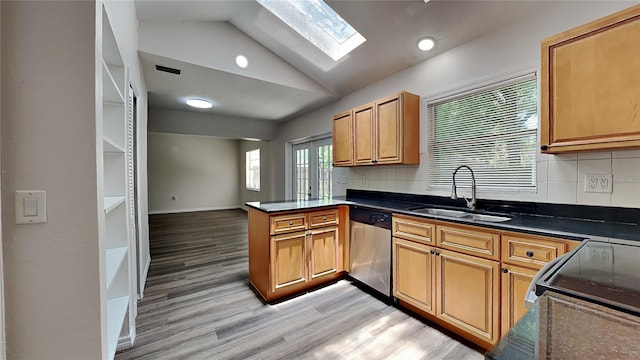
(454, 195)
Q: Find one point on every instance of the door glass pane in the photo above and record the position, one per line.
(324, 171)
(301, 167)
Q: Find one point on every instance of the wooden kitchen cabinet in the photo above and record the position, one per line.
(343, 139)
(288, 260)
(590, 86)
(293, 251)
(414, 274)
(515, 282)
(385, 131)
(468, 294)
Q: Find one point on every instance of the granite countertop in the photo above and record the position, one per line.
(565, 221)
(564, 327)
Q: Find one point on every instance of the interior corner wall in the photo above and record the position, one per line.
(201, 172)
(510, 50)
(265, 172)
(52, 287)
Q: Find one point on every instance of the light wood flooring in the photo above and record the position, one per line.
(198, 304)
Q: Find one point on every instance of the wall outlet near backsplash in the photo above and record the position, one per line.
(598, 183)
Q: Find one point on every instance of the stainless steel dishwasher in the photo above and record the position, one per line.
(370, 248)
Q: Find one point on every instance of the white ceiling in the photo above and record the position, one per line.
(287, 76)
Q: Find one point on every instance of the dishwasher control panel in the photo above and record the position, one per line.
(370, 217)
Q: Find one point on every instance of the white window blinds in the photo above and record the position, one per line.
(493, 130)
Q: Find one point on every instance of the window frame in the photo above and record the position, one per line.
(249, 172)
(494, 83)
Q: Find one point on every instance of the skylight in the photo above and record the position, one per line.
(318, 23)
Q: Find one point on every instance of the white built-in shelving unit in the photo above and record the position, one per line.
(117, 276)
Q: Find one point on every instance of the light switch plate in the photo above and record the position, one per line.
(31, 206)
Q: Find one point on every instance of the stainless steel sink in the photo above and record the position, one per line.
(442, 212)
(487, 218)
(461, 214)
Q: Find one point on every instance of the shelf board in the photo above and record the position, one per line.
(110, 146)
(116, 310)
(112, 202)
(115, 258)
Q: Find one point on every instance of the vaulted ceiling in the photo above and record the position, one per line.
(287, 76)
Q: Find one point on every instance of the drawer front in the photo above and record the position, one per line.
(286, 223)
(412, 229)
(532, 251)
(469, 241)
(323, 218)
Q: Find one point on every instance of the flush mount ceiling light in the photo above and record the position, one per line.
(426, 43)
(242, 61)
(199, 103)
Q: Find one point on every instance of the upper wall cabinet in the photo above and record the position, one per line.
(591, 86)
(386, 131)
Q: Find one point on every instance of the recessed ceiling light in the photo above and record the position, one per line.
(199, 103)
(426, 43)
(242, 61)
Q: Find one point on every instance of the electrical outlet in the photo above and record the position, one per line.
(600, 255)
(598, 183)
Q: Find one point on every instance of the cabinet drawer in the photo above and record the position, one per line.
(323, 218)
(412, 229)
(468, 240)
(285, 223)
(532, 251)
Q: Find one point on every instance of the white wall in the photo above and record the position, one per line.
(509, 51)
(201, 171)
(265, 172)
(194, 123)
(49, 143)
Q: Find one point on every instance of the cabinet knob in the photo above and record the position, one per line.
(530, 253)
(290, 223)
(504, 270)
(437, 253)
(544, 147)
(432, 252)
(374, 161)
(324, 218)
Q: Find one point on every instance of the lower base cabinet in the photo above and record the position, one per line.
(515, 283)
(293, 251)
(414, 274)
(468, 291)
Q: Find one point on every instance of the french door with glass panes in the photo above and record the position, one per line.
(312, 169)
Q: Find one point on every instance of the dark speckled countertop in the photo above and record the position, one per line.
(576, 222)
(564, 327)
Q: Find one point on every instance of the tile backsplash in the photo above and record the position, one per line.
(560, 179)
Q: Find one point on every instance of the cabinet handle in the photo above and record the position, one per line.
(530, 253)
(544, 147)
(290, 223)
(432, 252)
(504, 270)
(437, 253)
(324, 218)
(374, 161)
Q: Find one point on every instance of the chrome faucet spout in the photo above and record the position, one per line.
(471, 204)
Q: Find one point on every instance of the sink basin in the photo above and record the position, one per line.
(462, 214)
(487, 218)
(442, 212)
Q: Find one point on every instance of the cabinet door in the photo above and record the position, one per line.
(343, 139)
(515, 282)
(591, 85)
(468, 293)
(363, 119)
(388, 130)
(323, 258)
(288, 260)
(413, 274)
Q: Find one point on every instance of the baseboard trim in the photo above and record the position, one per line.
(175, 211)
(145, 274)
(126, 341)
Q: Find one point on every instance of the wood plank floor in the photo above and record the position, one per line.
(198, 304)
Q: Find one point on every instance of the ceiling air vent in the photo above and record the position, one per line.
(168, 69)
